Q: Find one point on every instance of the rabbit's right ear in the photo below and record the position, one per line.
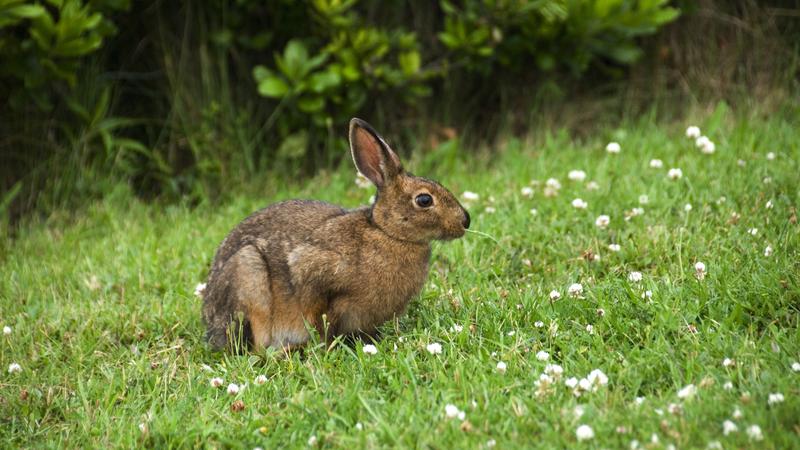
(372, 155)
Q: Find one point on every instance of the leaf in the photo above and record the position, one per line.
(295, 57)
(322, 81)
(409, 62)
(311, 104)
(273, 86)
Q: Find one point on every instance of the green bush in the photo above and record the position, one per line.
(492, 35)
(42, 45)
(184, 97)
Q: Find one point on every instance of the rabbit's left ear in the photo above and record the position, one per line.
(372, 155)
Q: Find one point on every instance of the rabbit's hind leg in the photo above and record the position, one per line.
(251, 287)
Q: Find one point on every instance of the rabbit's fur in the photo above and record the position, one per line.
(284, 267)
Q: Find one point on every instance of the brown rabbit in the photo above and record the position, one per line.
(284, 267)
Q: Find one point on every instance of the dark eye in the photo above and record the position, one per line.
(424, 201)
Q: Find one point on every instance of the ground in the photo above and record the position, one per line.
(105, 327)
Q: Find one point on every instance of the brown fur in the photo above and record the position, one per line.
(284, 267)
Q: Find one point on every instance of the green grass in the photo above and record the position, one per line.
(107, 329)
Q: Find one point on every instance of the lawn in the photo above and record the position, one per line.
(105, 327)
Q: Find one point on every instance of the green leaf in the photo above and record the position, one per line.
(409, 62)
(311, 104)
(273, 86)
(322, 81)
(295, 58)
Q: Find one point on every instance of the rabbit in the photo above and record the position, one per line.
(300, 265)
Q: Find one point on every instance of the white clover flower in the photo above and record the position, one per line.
(614, 247)
(579, 203)
(200, 289)
(737, 413)
(452, 411)
(728, 385)
(434, 348)
(701, 141)
(597, 378)
(693, 132)
(754, 433)
(767, 180)
(592, 186)
(527, 191)
(753, 231)
(776, 398)
(233, 389)
(554, 370)
(656, 163)
(635, 277)
(575, 289)
(501, 367)
(456, 328)
(687, 207)
(699, 270)
(7, 330)
(534, 211)
(602, 221)
(490, 210)
(770, 156)
(143, 428)
(216, 382)
(639, 401)
(741, 162)
(362, 181)
(729, 427)
(585, 384)
(470, 196)
(553, 183)
(796, 366)
(727, 362)
(769, 204)
(540, 324)
(555, 295)
(613, 147)
(688, 391)
(571, 382)
(644, 199)
(674, 409)
(584, 433)
(359, 426)
(312, 441)
(648, 294)
(579, 411)
(491, 443)
(370, 349)
(14, 368)
(542, 355)
(634, 445)
(511, 333)
(576, 175)
(714, 445)
(590, 329)
(260, 380)
(675, 174)
(708, 148)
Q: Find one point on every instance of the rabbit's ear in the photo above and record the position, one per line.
(372, 155)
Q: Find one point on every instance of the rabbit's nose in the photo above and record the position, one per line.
(466, 219)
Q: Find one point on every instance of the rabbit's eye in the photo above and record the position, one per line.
(424, 201)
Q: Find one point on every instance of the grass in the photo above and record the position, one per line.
(107, 330)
